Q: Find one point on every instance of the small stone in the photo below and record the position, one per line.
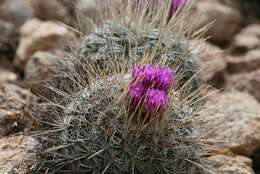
(222, 16)
(13, 151)
(231, 164)
(9, 37)
(7, 75)
(17, 11)
(37, 70)
(39, 36)
(53, 10)
(236, 121)
(244, 63)
(213, 64)
(248, 39)
(246, 82)
(14, 108)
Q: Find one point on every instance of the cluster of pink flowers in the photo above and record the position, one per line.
(149, 88)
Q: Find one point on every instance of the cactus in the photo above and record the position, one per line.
(115, 121)
(99, 133)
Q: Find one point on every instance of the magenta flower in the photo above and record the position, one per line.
(176, 4)
(136, 91)
(149, 88)
(137, 72)
(146, 75)
(156, 101)
(164, 78)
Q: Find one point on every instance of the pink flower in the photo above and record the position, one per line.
(156, 101)
(175, 5)
(136, 92)
(146, 75)
(149, 88)
(164, 78)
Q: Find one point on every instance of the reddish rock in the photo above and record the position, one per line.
(2, 1)
(246, 82)
(37, 70)
(8, 40)
(222, 16)
(248, 39)
(214, 65)
(231, 164)
(15, 110)
(16, 11)
(13, 151)
(7, 75)
(53, 10)
(36, 36)
(236, 121)
(247, 63)
(19, 11)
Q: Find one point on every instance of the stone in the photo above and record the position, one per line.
(15, 108)
(7, 75)
(37, 70)
(236, 121)
(244, 63)
(222, 16)
(9, 37)
(1, 2)
(231, 164)
(7, 70)
(39, 36)
(17, 11)
(246, 82)
(214, 64)
(248, 39)
(53, 10)
(13, 151)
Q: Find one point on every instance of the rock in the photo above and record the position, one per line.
(39, 36)
(214, 64)
(37, 70)
(15, 108)
(231, 164)
(14, 150)
(236, 121)
(7, 75)
(9, 37)
(246, 82)
(1, 2)
(223, 16)
(247, 39)
(53, 10)
(246, 63)
(17, 11)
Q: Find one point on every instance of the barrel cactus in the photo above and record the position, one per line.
(130, 110)
(102, 130)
